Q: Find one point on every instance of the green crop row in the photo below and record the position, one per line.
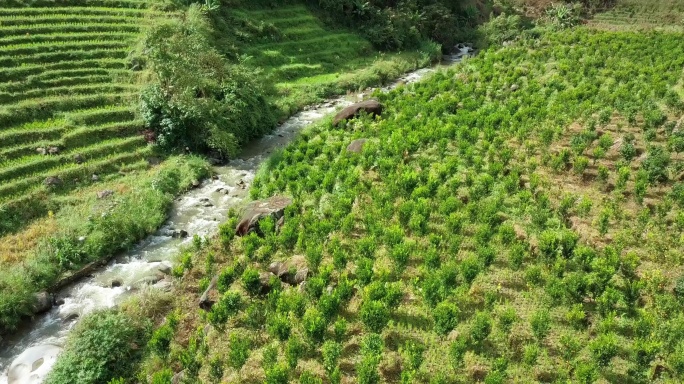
(64, 37)
(30, 50)
(38, 109)
(32, 84)
(91, 10)
(89, 89)
(18, 20)
(48, 69)
(48, 57)
(68, 28)
(71, 174)
(88, 135)
(77, 3)
(96, 148)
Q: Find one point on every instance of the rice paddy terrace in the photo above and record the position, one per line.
(662, 15)
(65, 90)
(303, 58)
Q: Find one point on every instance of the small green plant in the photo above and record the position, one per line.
(445, 315)
(603, 348)
(540, 323)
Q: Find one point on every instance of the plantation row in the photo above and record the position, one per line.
(67, 92)
(515, 219)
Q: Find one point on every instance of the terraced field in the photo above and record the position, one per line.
(65, 94)
(301, 56)
(661, 15)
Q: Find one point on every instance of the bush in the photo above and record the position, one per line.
(504, 28)
(100, 349)
(540, 323)
(251, 281)
(603, 348)
(197, 98)
(445, 315)
(374, 315)
(314, 324)
(239, 350)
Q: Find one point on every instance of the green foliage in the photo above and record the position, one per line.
(374, 315)
(100, 349)
(445, 315)
(314, 324)
(251, 281)
(239, 350)
(604, 348)
(198, 99)
(540, 323)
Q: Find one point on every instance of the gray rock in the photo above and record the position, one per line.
(257, 210)
(205, 301)
(43, 302)
(514, 87)
(52, 181)
(53, 150)
(95, 177)
(105, 194)
(371, 106)
(356, 146)
(293, 271)
(195, 183)
(70, 317)
(178, 378)
(180, 234)
(116, 283)
(41, 151)
(165, 269)
(79, 159)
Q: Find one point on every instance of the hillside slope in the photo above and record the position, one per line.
(66, 99)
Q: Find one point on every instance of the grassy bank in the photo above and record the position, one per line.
(517, 218)
(89, 228)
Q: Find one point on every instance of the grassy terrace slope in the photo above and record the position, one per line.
(65, 82)
(516, 219)
(303, 59)
(662, 15)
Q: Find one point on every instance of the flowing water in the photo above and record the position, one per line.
(28, 356)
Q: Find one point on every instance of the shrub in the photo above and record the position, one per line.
(251, 281)
(331, 352)
(239, 350)
(586, 372)
(445, 315)
(309, 378)
(577, 317)
(540, 323)
(227, 306)
(374, 315)
(314, 324)
(279, 326)
(99, 349)
(603, 348)
(277, 374)
(480, 327)
(655, 165)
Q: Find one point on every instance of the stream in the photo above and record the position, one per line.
(28, 355)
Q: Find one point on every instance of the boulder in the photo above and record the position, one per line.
(116, 283)
(165, 269)
(514, 87)
(371, 106)
(53, 150)
(356, 146)
(52, 181)
(43, 302)
(95, 177)
(257, 210)
(104, 194)
(79, 159)
(180, 234)
(41, 151)
(293, 271)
